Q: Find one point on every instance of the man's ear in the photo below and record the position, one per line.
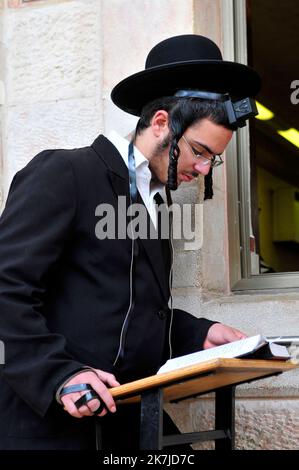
(159, 123)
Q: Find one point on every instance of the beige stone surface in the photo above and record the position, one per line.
(53, 80)
(2, 99)
(59, 61)
(261, 424)
(130, 29)
(269, 315)
(62, 124)
(207, 19)
(13, 3)
(53, 53)
(32, 3)
(187, 264)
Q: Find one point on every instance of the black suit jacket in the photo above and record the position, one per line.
(64, 293)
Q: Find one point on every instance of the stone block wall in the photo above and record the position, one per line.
(261, 423)
(53, 56)
(59, 61)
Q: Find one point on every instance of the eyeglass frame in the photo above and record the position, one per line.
(207, 160)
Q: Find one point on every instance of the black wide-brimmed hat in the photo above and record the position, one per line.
(184, 62)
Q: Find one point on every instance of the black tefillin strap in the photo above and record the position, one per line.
(90, 394)
(237, 111)
(132, 173)
(134, 253)
(206, 95)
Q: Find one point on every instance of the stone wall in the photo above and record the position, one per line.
(262, 423)
(1, 101)
(53, 81)
(59, 60)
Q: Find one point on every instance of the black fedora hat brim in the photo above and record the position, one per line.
(134, 92)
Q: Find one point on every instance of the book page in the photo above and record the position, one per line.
(279, 351)
(228, 350)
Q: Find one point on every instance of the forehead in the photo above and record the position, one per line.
(213, 135)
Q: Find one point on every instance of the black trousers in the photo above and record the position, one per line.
(121, 431)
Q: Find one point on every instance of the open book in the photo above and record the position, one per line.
(254, 347)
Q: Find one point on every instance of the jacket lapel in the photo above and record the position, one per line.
(119, 178)
(116, 167)
(154, 250)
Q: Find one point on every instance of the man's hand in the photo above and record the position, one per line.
(97, 380)
(220, 334)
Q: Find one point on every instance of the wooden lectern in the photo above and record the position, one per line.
(219, 375)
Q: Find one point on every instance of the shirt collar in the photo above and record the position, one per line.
(122, 146)
(141, 163)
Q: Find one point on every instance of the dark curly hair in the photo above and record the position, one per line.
(183, 112)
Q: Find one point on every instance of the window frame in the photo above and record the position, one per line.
(238, 179)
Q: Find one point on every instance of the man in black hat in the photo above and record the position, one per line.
(80, 314)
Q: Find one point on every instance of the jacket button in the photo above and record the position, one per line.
(162, 314)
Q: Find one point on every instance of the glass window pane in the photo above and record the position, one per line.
(273, 48)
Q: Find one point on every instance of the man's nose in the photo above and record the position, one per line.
(202, 168)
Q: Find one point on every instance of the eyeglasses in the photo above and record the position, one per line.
(202, 154)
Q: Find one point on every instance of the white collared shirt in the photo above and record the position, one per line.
(147, 189)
